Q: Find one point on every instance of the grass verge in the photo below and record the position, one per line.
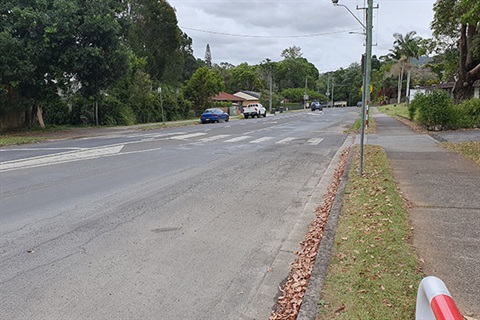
(394, 110)
(10, 140)
(374, 271)
(356, 128)
(469, 149)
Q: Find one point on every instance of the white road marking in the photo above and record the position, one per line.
(60, 158)
(261, 140)
(188, 136)
(213, 138)
(238, 139)
(40, 149)
(314, 141)
(284, 141)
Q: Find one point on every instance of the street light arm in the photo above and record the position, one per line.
(341, 5)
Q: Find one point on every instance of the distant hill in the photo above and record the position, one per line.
(421, 61)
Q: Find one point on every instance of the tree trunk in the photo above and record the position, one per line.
(467, 73)
(40, 117)
(400, 80)
(407, 89)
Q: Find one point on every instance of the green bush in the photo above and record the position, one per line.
(113, 112)
(56, 113)
(82, 110)
(467, 114)
(433, 109)
(412, 107)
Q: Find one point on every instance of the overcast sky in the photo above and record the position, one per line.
(254, 30)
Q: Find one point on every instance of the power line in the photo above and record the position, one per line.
(269, 37)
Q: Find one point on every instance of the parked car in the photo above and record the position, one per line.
(316, 105)
(214, 115)
(254, 110)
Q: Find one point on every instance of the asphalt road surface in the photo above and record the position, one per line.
(183, 223)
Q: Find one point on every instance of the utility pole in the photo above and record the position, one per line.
(161, 103)
(367, 69)
(333, 86)
(271, 87)
(305, 95)
(368, 66)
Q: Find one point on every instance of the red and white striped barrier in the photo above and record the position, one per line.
(434, 302)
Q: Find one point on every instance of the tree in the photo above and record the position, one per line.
(154, 34)
(295, 70)
(191, 64)
(456, 23)
(59, 42)
(405, 48)
(208, 56)
(291, 53)
(244, 77)
(204, 84)
(347, 83)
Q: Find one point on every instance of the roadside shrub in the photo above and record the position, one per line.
(433, 110)
(467, 114)
(113, 112)
(82, 110)
(56, 112)
(412, 107)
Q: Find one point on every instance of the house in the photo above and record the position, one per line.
(476, 89)
(237, 102)
(248, 96)
(414, 92)
(446, 86)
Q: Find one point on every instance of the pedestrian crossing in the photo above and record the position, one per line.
(238, 139)
(199, 138)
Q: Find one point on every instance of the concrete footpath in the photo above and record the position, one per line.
(443, 188)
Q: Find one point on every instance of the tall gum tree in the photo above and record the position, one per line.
(459, 21)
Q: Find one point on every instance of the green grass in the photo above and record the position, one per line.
(394, 109)
(30, 135)
(356, 127)
(374, 272)
(11, 140)
(470, 150)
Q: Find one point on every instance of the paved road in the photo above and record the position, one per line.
(186, 223)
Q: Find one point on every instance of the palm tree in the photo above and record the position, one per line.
(404, 49)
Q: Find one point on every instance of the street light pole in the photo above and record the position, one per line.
(367, 71)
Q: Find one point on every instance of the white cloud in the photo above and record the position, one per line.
(253, 30)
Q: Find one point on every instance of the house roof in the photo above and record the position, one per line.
(224, 96)
(248, 95)
(446, 85)
(252, 93)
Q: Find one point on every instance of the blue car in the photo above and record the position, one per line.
(316, 106)
(214, 115)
